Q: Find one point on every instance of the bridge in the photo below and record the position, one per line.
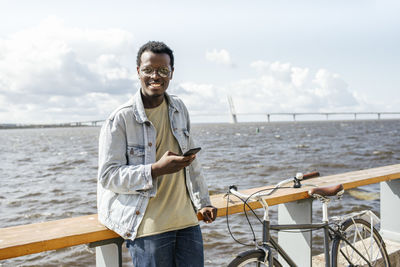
(355, 115)
(325, 114)
(232, 114)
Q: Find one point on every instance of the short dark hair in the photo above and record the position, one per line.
(157, 48)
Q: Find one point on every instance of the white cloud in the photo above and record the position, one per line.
(201, 98)
(287, 88)
(278, 87)
(54, 73)
(299, 76)
(220, 57)
(333, 90)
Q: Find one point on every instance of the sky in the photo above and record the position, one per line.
(64, 61)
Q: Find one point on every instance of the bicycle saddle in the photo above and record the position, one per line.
(333, 190)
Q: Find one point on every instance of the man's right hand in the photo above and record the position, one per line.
(170, 163)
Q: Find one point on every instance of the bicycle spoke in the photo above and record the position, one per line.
(345, 256)
(362, 239)
(359, 246)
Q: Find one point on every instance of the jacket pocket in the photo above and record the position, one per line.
(135, 155)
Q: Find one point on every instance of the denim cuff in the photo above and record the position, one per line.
(148, 177)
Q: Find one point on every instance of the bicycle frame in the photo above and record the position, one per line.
(335, 231)
(268, 241)
(310, 226)
(325, 226)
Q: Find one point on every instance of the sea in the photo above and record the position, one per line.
(50, 173)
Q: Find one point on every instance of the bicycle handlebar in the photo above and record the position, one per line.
(310, 175)
(299, 176)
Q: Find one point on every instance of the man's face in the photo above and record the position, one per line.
(154, 73)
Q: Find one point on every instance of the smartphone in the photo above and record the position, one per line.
(192, 151)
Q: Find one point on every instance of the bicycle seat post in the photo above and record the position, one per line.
(325, 217)
(322, 194)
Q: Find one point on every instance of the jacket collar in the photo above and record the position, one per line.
(138, 107)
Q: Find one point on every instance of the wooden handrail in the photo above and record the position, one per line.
(38, 237)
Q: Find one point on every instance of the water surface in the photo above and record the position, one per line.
(50, 174)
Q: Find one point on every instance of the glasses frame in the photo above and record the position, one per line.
(159, 73)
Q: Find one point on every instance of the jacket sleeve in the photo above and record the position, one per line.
(114, 172)
(199, 185)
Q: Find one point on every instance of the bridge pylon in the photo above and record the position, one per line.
(232, 110)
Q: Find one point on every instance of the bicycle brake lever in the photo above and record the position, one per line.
(234, 187)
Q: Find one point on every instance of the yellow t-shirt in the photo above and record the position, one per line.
(171, 208)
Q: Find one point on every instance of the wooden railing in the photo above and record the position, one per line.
(296, 207)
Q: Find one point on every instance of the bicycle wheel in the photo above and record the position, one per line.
(252, 258)
(368, 248)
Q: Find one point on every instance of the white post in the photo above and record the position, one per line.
(390, 203)
(107, 256)
(297, 245)
(108, 252)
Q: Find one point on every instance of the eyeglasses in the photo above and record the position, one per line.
(163, 71)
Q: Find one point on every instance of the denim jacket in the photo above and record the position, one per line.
(127, 148)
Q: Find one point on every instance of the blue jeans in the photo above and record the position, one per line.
(181, 248)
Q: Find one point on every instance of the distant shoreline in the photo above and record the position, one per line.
(38, 126)
(35, 126)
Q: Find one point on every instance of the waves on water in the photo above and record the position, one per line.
(49, 174)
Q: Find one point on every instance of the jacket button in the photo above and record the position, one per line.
(128, 235)
(137, 212)
(147, 123)
(150, 143)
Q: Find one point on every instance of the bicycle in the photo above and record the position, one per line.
(355, 240)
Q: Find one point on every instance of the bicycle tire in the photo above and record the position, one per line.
(252, 258)
(358, 233)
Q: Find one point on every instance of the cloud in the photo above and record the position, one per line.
(333, 90)
(54, 72)
(287, 88)
(277, 87)
(201, 98)
(220, 57)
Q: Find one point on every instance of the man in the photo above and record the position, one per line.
(147, 192)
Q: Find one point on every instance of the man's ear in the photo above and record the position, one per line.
(172, 73)
(137, 68)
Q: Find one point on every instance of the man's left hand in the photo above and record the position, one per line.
(209, 214)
